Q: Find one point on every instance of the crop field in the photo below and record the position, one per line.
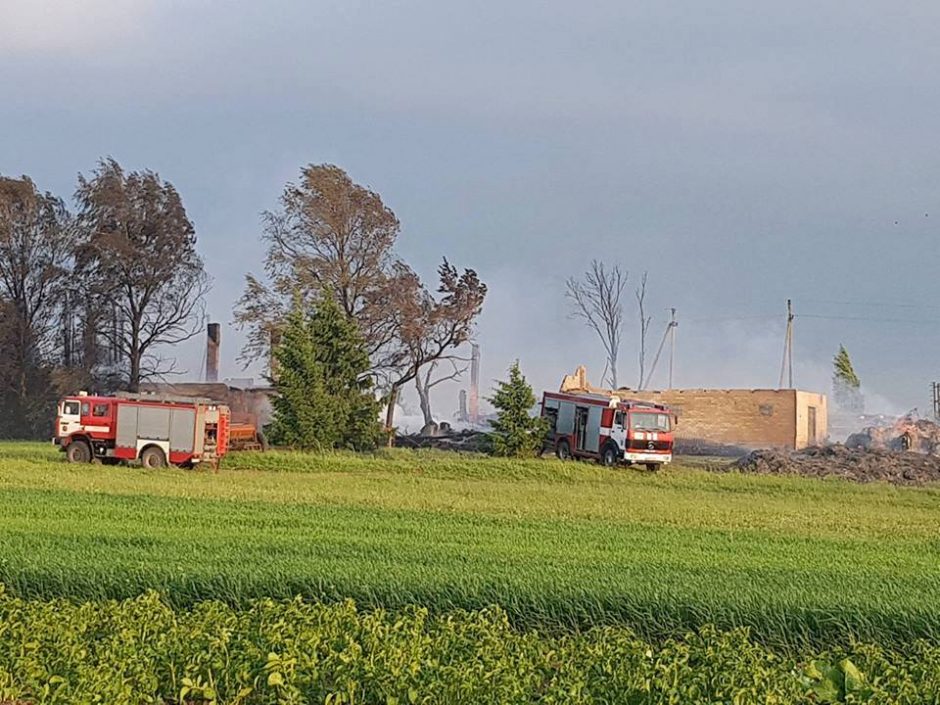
(294, 652)
(802, 563)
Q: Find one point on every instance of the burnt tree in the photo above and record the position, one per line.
(427, 380)
(596, 298)
(429, 329)
(138, 261)
(645, 322)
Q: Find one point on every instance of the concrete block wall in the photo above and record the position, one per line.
(748, 418)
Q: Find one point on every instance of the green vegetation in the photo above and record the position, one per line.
(515, 432)
(145, 651)
(844, 371)
(325, 397)
(555, 544)
(846, 385)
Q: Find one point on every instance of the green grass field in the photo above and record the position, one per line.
(555, 545)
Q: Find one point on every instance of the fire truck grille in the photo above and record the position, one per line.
(646, 446)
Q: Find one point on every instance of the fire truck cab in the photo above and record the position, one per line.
(156, 430)
(608, 429)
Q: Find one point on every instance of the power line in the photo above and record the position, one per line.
(869, 319)
(879, 304)
(710, 319)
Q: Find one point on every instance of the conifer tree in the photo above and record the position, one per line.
(325, 397)
(846, 385)
(515, 432)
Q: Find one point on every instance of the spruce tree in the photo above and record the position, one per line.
(340, 351)
(515, 432)
(324, 396)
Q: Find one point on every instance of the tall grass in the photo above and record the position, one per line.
(798, 561)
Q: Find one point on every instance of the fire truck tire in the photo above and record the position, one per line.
(78, 452)
(609, 456)
(563, 450)
(263, 441)
(153, 458)
(652, 467)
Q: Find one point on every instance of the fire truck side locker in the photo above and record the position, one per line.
(169, 428)
(565, 424)
(126, 436)
(593, 432)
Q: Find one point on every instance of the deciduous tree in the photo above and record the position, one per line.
(36, 251)
(138, 259)
(333, 235)
(329, 233)
(428, 329)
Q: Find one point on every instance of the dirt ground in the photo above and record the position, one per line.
(856, 464)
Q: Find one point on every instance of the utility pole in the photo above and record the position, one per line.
(673, 324)
(788, 348)
(668, 334)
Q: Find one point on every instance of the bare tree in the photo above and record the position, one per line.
(427, 380)
(644, 325)
(597, 299)
(36, 250)
(139, 262)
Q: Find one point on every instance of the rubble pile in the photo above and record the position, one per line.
(856, 464)
(444, 437)
(908, 433)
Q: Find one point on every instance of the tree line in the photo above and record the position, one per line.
(89, 294)
(91, 291)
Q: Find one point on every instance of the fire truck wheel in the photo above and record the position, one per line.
(78, 452)
(609, 458)
(153, 458)
(563, 450)
(652, 467)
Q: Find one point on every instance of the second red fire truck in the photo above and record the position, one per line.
(608, 429)
(152, 429)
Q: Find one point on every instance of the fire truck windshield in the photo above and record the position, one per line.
(648, 421)
(70, 408)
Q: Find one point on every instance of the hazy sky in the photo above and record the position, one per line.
(741, 152)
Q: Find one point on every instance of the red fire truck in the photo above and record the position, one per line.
(608, 429)
(153, 429)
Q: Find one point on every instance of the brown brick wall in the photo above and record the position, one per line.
(805, 401)
(758, 418)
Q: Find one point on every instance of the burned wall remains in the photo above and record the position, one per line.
(713, 420)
